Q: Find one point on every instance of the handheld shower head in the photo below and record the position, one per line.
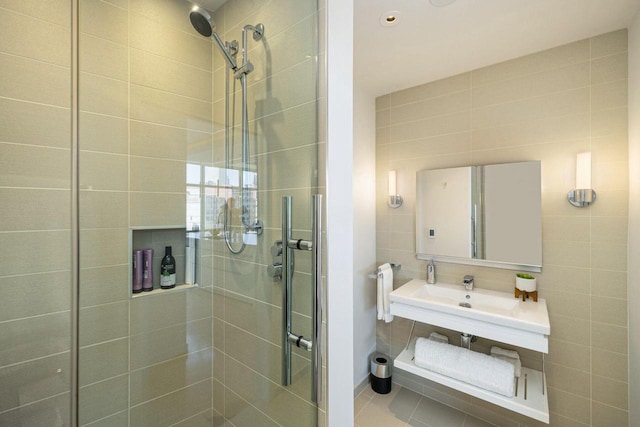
(202, 21)
(204, 24)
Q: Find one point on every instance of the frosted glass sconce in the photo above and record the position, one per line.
(583, 195)
(395, 200)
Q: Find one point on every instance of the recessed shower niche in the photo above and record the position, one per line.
(185, 249)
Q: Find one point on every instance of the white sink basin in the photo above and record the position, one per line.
(489, 314)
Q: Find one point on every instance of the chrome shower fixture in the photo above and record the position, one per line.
(204, 24)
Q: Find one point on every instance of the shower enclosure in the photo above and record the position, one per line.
(121, 129)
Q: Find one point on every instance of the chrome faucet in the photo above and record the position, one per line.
(468, 282)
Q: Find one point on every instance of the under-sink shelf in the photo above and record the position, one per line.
(534, 406)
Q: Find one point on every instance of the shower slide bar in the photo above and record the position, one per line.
(314, 344)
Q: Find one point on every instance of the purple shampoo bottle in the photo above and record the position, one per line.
(137, 271)
(147, 270)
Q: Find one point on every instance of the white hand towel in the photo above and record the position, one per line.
(465, 365)
(385, 287)
(498, 351)
(434, 336)
(510, 356)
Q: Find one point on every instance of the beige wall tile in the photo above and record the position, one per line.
(458, 83)
(103, 171)
(609, 68)
(609, 122)
(546, 60)
(238, 411)
(609, 310)
(157, 175)
(610, 392)
(157, 209)
(35, 252)
(35, 294)
(104, 20)
(604, 416)
(104, 247)
(103, 57)
(455, 123)
(546, 82)
(186, 47)
(35, 39)
(104, 209)
(17, 117)
(562, 353)
(609, 337)
(103, 285)
(154, 106)
(569, 102)
(101, 399)
(34, 81)
(610, 365)
(290, 128)
(35, 380)
(104, 322)
(58, 11)
(196, 398)
(103, 95)
(30, 166)
(160, 73)
(609, 43)
(152, 140)
(168, 343)
(101, 133)
(22, 209)
(49, 334)
(569, 405)
(608, 283)
(423, 109)
(41, 413)
(105, 360)
(609, 95)
(170, 13)
(163, 378)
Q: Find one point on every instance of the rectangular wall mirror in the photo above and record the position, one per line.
(487, 215)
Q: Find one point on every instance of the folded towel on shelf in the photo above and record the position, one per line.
(465, 365)
(497, 351)
(510, 356)
(385, 287)
(434, 336)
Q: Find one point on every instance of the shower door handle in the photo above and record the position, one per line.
(288, 337)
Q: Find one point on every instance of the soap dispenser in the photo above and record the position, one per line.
(431, 273)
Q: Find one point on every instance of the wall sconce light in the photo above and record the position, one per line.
(583, 195)
(395, 200)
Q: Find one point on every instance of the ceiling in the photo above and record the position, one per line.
(429, 43)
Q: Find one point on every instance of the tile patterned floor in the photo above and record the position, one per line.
(403, 408)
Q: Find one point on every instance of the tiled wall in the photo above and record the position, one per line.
(145, 112)
(546, 106)
(35, 279)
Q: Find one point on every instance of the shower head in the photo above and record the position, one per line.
(202, 21)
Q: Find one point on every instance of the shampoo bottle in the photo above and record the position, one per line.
(168, 270)
(147, 270)
(137, 271)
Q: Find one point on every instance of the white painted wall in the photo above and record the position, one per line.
(340, 213)
(633, 278)
(364, 231)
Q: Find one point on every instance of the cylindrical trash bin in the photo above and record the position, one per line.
(380, 373)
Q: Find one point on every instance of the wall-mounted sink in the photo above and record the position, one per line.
(489, 314)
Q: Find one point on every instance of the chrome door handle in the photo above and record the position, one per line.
(286, 272)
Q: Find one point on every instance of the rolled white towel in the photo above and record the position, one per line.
(510, 356)
(497, 351)
(434, 336)
(474, 368)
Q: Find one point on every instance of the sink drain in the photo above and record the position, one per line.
(465, 304)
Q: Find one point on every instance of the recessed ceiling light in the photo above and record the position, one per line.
(441, 3)
(390, 18)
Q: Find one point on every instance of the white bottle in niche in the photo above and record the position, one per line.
(190, 261)
(167, 270)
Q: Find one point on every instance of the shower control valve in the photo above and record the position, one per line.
(276, 248)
